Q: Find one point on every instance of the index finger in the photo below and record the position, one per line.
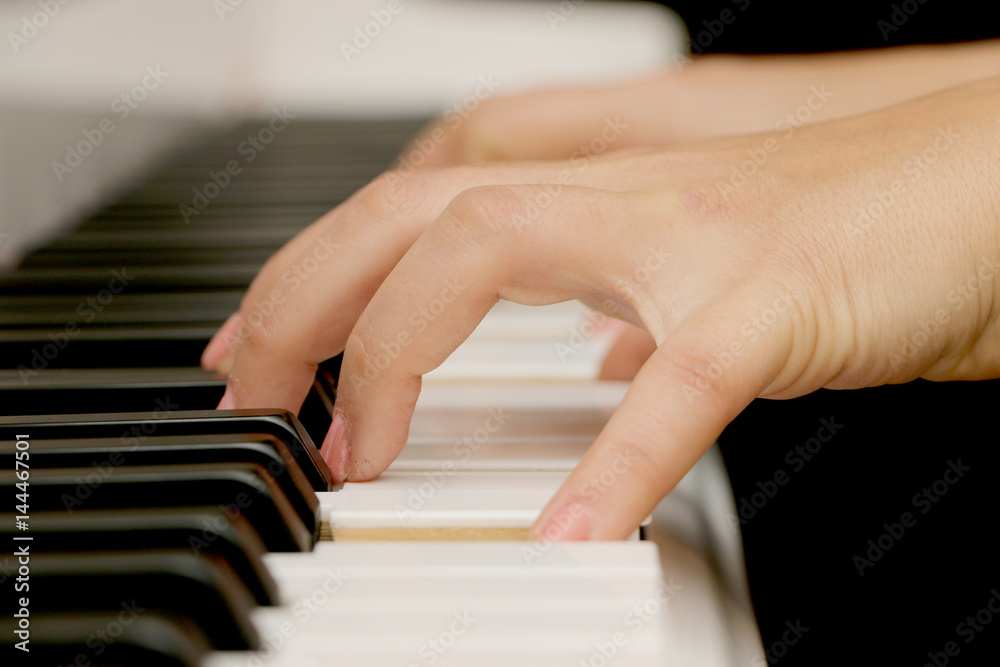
(473, 255)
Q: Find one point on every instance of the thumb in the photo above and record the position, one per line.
(683, 397)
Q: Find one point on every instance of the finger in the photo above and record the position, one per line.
(633, 347)
(477, 252)
(303, 306)
(220, 343)
(540, 125)
(319, 296)
(268, 285)
(221, 349)
(676, 407)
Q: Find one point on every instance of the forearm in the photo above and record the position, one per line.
(718, 95)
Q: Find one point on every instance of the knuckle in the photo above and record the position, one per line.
(486, 211)
(477, 126)
(360, 360)
(270, 330)
(393, 194)
(259, 334)
(696, 367)
(368, 361)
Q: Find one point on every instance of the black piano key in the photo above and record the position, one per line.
(200, 529)
(191, 274)
(173, 277)
(102, 639)
(98, 454)
(104, 347)
(233, 488)
(132, 428)
(171, 583)
(80, 391)
(141, 257)
(180, 238)
(72, 314)
(85, 391)
(132, 217)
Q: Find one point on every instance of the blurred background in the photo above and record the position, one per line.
(69, 64)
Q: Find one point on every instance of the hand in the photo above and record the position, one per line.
(631, 349)
(774, 286)
(707, 97)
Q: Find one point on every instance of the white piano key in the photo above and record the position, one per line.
(509, 321)
(550, 650)
(497, 570)
(506, 427)
(564, 341)
(522, 360)
(496, 639)
(441, 498)
(594, 397)
(487, 602)
(507, 455)
(557, 557)
(502, 427)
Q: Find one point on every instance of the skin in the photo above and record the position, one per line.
(772, 285)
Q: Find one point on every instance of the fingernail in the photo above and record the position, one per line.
(573, 523)
(220, 343)
(336, 449)
(227, 402)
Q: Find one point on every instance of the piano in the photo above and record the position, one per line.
(149, 529)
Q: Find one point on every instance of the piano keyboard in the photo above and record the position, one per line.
(166, 533)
